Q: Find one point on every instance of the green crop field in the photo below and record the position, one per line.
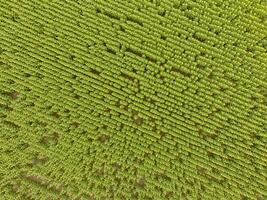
(133, 99)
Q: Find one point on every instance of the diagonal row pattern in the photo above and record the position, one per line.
(144, 99)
